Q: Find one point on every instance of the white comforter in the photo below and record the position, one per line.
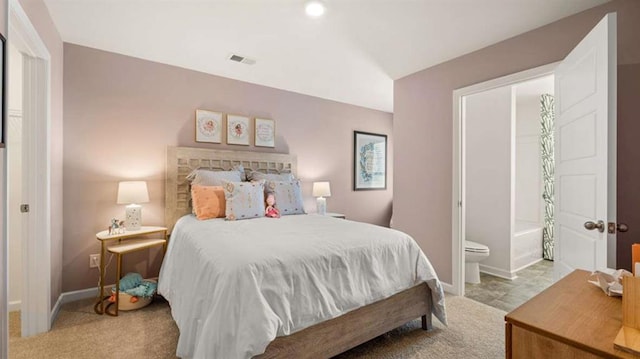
(234, 286)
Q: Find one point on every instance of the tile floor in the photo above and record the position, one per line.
(509, 294)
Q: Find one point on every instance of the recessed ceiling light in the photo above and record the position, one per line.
(314, 8)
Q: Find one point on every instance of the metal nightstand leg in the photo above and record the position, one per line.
(99, 306)
(116, 303)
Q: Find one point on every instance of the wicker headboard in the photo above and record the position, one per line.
(182, 160)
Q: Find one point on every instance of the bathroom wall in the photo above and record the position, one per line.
(504, 174)
(489, 175)
(528, 189)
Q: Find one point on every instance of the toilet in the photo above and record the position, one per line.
(473, 253)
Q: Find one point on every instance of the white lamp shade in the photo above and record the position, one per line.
(321, 189)
(132, 192)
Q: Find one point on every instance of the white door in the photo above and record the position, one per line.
(585, 149)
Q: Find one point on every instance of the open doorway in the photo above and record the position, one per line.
(508, 192)
(494, 101)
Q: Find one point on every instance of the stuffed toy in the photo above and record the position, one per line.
(135, 286)
(271, 210)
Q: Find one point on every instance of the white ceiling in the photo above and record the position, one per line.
(352, 54)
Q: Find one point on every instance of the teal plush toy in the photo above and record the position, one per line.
(134, 285)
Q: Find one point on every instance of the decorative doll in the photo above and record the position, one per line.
(271, 210)
(116, 227)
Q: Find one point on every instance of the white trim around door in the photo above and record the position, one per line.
(36, 253)
(458, 205)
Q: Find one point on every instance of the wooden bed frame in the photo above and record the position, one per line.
(322, 340)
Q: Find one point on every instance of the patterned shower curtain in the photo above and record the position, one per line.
(547, 116)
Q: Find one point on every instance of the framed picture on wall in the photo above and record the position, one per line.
(237, 130)
(369, 161)
(208, 126)
(265, 130)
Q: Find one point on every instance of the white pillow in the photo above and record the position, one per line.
(205, 177)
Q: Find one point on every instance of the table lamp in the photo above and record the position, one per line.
(321, 190)
(132, 193)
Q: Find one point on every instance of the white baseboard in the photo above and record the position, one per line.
(54, 311)
(497, 272)
(15, 305)
(73, 296)
(448, 288)
(528, 265)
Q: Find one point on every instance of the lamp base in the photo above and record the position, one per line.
(133, 218)
(322, 205)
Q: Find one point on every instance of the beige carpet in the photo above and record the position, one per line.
(475, 331)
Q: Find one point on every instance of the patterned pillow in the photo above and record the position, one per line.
(244, 200)
(205, 177)
(257, 176)
(208, 201)
(288, 196)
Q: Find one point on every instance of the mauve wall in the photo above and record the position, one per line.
(423, 125)
(628, 155)
(121, 113)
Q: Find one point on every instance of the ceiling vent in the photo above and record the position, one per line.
(242, 59)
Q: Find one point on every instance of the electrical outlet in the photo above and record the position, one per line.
(94, 260)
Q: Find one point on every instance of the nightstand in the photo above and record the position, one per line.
(126, 242)
(336, 215)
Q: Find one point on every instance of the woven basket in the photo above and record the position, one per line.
(125, 301)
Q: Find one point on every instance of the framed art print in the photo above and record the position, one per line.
(208, 126)
(237, 130)
(265, 130)
(369, 161)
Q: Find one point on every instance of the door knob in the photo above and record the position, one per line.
(620, 227)
(591, 226)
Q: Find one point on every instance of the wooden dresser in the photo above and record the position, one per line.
(570, 319)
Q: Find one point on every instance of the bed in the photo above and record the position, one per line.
(299, 286)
